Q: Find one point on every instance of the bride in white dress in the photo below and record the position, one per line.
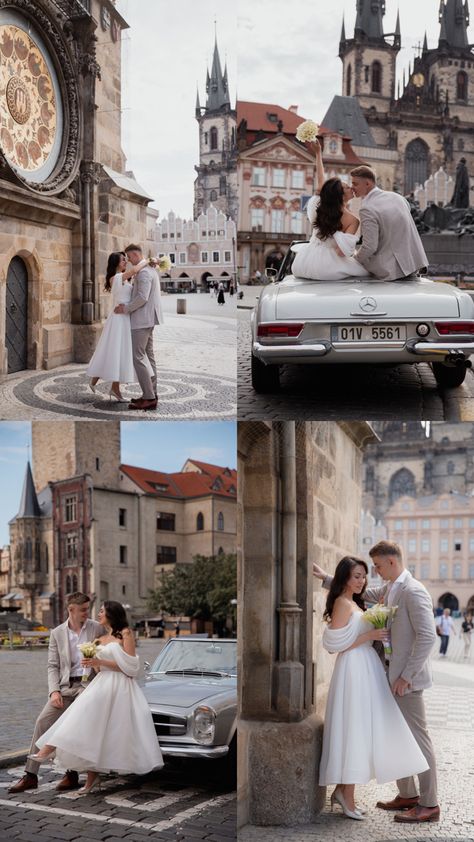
(365, 733)
(109, 727)
(112, 359)
(328, 255)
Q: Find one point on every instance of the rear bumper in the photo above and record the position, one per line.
(388, 353)
(443, 348)
(209, 752)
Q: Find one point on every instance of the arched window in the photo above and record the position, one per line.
(37, 555)
(222, 185)
(416, 164)
(461, 86)
(29, 550)
(349, 80)
(376, 77)
(200, 522)
(402, 484)
(220, 522)
(46, 559)
(213, 136)
(74, 583)
(213, 196)
(68, 585)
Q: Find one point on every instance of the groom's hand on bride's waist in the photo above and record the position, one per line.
(120, 308)
(400, 686)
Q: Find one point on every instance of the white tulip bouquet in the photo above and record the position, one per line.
(378, 616)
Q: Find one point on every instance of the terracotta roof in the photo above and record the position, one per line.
(264, 116)
(210, 479)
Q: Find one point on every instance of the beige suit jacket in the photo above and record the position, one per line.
(412, 630)
(391, 246)
(145, 304)
(59, 654)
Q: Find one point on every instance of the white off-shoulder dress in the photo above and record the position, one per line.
(109, 726)
(318, 260)
(112, 359)
(365, 734)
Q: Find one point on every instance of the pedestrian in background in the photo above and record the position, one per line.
(220, 294)
(467, 627)
(446, 628)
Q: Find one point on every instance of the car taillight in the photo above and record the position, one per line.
(288, 330)
(448, 328)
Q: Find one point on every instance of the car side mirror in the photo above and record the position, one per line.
(271, 273)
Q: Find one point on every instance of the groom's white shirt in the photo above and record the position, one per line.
(392, 587)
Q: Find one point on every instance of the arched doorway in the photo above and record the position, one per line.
(16, 333)
(448, 600)
(470, 604)
(416, 164)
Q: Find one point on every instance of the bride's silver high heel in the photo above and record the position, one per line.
(42, 758)
(86, 789)
(92, 386)
(118, 397)
(338, 796)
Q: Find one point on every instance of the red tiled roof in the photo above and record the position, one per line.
(256, 115)
(186, 484)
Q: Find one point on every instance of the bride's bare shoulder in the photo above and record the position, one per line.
(341, 612)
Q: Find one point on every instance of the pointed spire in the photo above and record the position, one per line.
(342, 39)
(29, 506)
(425, 43)
(397, 41)
(369, 20)
(198, 104)
(217, 85)
(454, 20)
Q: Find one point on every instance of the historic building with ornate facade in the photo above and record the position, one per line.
(87, 522)
(427, 122)
(216, 181)
(66, 198)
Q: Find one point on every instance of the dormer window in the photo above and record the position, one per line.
(217, 484)
(272, 118)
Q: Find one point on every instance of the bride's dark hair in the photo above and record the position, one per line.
(341, 577)
(116, 617)
(111, 271)
(330, 209)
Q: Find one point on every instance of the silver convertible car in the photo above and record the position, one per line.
(360, 321)
(192, 692)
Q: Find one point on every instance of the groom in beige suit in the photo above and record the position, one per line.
(391, 246)
(64, 682)
(413, 635)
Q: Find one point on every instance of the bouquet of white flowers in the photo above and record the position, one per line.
(89, 650)
(164, 263)
(378, 616)
(307, 131)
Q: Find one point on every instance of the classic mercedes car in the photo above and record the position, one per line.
(192, 692)
(360, 321)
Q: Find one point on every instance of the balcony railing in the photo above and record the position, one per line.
(74, 9)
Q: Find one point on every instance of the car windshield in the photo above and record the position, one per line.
(287, 263)
(200, 656)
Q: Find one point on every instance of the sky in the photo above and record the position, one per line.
(166, 53)
(160, 446)
(288, 52)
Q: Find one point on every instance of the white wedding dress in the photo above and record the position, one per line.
(112, 360)
(318, 260)
(109, 725)
(365, 733)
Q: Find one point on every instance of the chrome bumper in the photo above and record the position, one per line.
(267, 353)
(209, 752)
(444, 348)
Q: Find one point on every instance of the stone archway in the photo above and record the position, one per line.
(448, 600)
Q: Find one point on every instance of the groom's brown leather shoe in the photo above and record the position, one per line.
(70, 781)
(418, 814)
(28, 781)
(144, 404)
(137, 400)
(398, 803)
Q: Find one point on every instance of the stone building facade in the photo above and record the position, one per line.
(202, 251)
(427, 122)
(216, 181)
(300, 489)
(65, 197)
(87, 522)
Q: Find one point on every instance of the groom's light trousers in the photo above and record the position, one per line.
(413, 709)
(142, 346)
(48, 717)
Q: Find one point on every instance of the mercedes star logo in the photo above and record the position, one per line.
(368, 304)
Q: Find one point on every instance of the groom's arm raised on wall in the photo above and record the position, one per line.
(370, 594)
(370, 236)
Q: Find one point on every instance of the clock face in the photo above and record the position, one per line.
(30, 103)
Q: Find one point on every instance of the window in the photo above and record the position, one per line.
(443, 570)
(200, 522)
(220, 522)
(222, 185)
(74, 583)
(471, 571)
(227, 257)
(458, 523)
(68, 584)
(443, 545)
(297, 179)
(296, 222)
(256, 218)
(444, 523)
(425, 524)
(172, 257)
(471, 545)
(333, 146)
(412, 545)
(123, 555)
(166, 520)
(444, 504)
(258, 176)
(398, 524)
(204, 257)
(97, 463)
(206, 138)
(425, 545)
(461, 86)
(457, 545)
(456, 571)
(70, 514)
(182, 257)
(349, 81)
(124, 590)
(122, 517)
(376, 77)
(471, 522)
(71, 547)
(425, 571)
(412, 569)
(214, 137)
(278, 177)
(213, 195)
(278, 220)
(216, 256)
(412, 524)
(166, 555)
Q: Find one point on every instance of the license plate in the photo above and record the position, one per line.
(370, 333)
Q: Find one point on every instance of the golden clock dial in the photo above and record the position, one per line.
(418, 80)
(29, 121)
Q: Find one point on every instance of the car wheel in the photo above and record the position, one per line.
(265, 378)
(447, 376)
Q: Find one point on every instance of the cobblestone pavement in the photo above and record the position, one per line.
(184, 801)
(450, 712)
(196, 357)
(335, 392)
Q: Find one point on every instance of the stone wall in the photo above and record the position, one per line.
(73, 450)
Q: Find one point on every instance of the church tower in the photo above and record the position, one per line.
(72, 448)
(369, 58)
(216, 182)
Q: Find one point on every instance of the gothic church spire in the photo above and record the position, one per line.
(29, 506)
(454, 20)
(216, 85)
(369, 21)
